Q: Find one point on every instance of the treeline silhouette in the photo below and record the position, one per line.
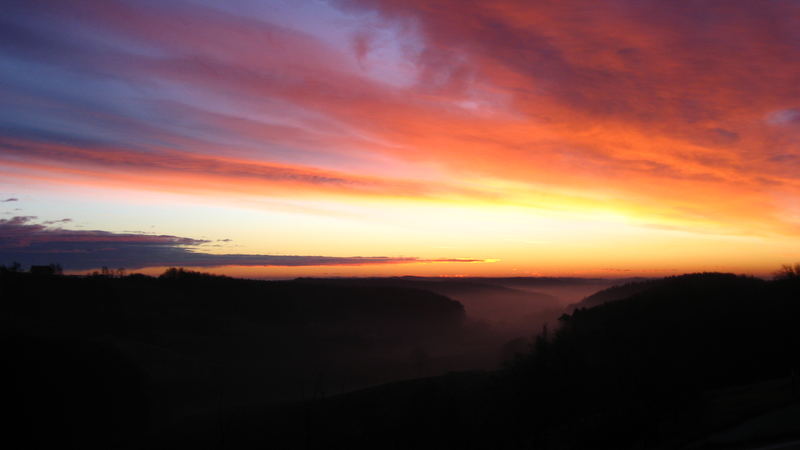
(637, 372)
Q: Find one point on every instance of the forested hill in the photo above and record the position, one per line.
(271, 301)
(632, 287)
(514, 312)
(99, 361)
(645, 364)
(616, 292)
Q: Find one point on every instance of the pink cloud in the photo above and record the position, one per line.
(652, 106)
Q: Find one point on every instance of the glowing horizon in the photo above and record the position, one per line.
(387, 137)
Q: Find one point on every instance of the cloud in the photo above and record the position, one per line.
(12, 199)
(53, 222)
(784, 117)
(639, 105)
(171, 170)
(25, 241)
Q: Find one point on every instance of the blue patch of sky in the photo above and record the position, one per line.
(393, 48)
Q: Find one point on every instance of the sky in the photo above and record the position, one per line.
(401, 137)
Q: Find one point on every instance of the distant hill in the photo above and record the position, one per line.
(631, 287)
(512, 310)
(567, 289)
(617, 292)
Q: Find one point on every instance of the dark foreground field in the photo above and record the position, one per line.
(193, 361)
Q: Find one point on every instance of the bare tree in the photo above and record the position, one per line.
(788, 272)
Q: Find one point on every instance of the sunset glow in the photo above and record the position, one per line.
(401, 137)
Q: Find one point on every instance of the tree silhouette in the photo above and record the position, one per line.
(788, 272)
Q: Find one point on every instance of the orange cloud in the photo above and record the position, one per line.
(680, 115)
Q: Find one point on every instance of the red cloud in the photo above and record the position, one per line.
(657, 107)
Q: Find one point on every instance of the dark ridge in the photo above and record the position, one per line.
(630, 288)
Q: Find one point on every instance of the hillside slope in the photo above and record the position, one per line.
(120, 357)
